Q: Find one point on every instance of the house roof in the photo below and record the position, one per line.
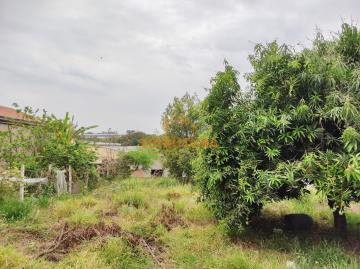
(8, 112)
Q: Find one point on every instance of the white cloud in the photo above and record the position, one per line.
(118, 63)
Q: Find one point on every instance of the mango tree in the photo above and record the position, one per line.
(297, 124)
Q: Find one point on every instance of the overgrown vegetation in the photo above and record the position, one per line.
(178, 144)
(157, 223)
(297, 125)
(12, 209)
(141, 158)
(288, 144)
(41, 140)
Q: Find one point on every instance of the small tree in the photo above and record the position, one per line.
(142, 158)
(181, 126)
(133, 160)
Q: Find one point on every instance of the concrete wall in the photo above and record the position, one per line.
(4, 127)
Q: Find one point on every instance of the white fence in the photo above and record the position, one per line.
(61, 185)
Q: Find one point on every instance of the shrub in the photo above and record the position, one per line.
(12, 209)
(133, 160)
(124, 165)
(178, 161)
(142, 158)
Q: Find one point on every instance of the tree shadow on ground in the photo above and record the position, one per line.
(269, 232)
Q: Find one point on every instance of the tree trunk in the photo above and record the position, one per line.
(340, 223)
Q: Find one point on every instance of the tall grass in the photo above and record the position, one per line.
(12, 209)
(185, 236)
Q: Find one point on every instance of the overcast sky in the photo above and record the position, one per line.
(118, 63)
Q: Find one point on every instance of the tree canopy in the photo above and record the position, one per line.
(180, 123)
(296, 125)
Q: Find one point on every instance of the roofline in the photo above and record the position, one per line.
(12, 121)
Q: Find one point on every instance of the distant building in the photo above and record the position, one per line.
(10, 118)
(156, 170)
(109, 151)
(101, 135)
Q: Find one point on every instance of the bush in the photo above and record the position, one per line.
(12, 209)
(178, 161)
(124, 165)
(133, 160)
(143, 158)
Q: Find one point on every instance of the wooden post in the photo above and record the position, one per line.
(87, 180)
(49, 171)
(70, 179)
(21, 191)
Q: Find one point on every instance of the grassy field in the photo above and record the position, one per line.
(158, 223)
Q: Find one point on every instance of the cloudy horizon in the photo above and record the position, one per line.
(117, 64)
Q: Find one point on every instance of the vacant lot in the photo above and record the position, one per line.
(158, 223)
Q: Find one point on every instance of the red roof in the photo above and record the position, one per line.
(9, 112)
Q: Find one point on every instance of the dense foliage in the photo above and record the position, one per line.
(131, 138)
(181, 127)
(133, 160)
(298, 124)
(43, 140)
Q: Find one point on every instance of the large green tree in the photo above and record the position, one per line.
(298, 124)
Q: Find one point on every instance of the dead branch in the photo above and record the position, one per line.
(69, 238)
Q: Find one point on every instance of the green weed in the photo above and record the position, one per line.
(118, 253)
(43, 201)
(84, 218)
(326, 255)
(13, 210)
(134, 199)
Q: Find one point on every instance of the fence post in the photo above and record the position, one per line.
(21, 191)
(49, 170)
(87, 180)
(70, 179)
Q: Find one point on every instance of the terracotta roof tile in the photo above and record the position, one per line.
(10, 113)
